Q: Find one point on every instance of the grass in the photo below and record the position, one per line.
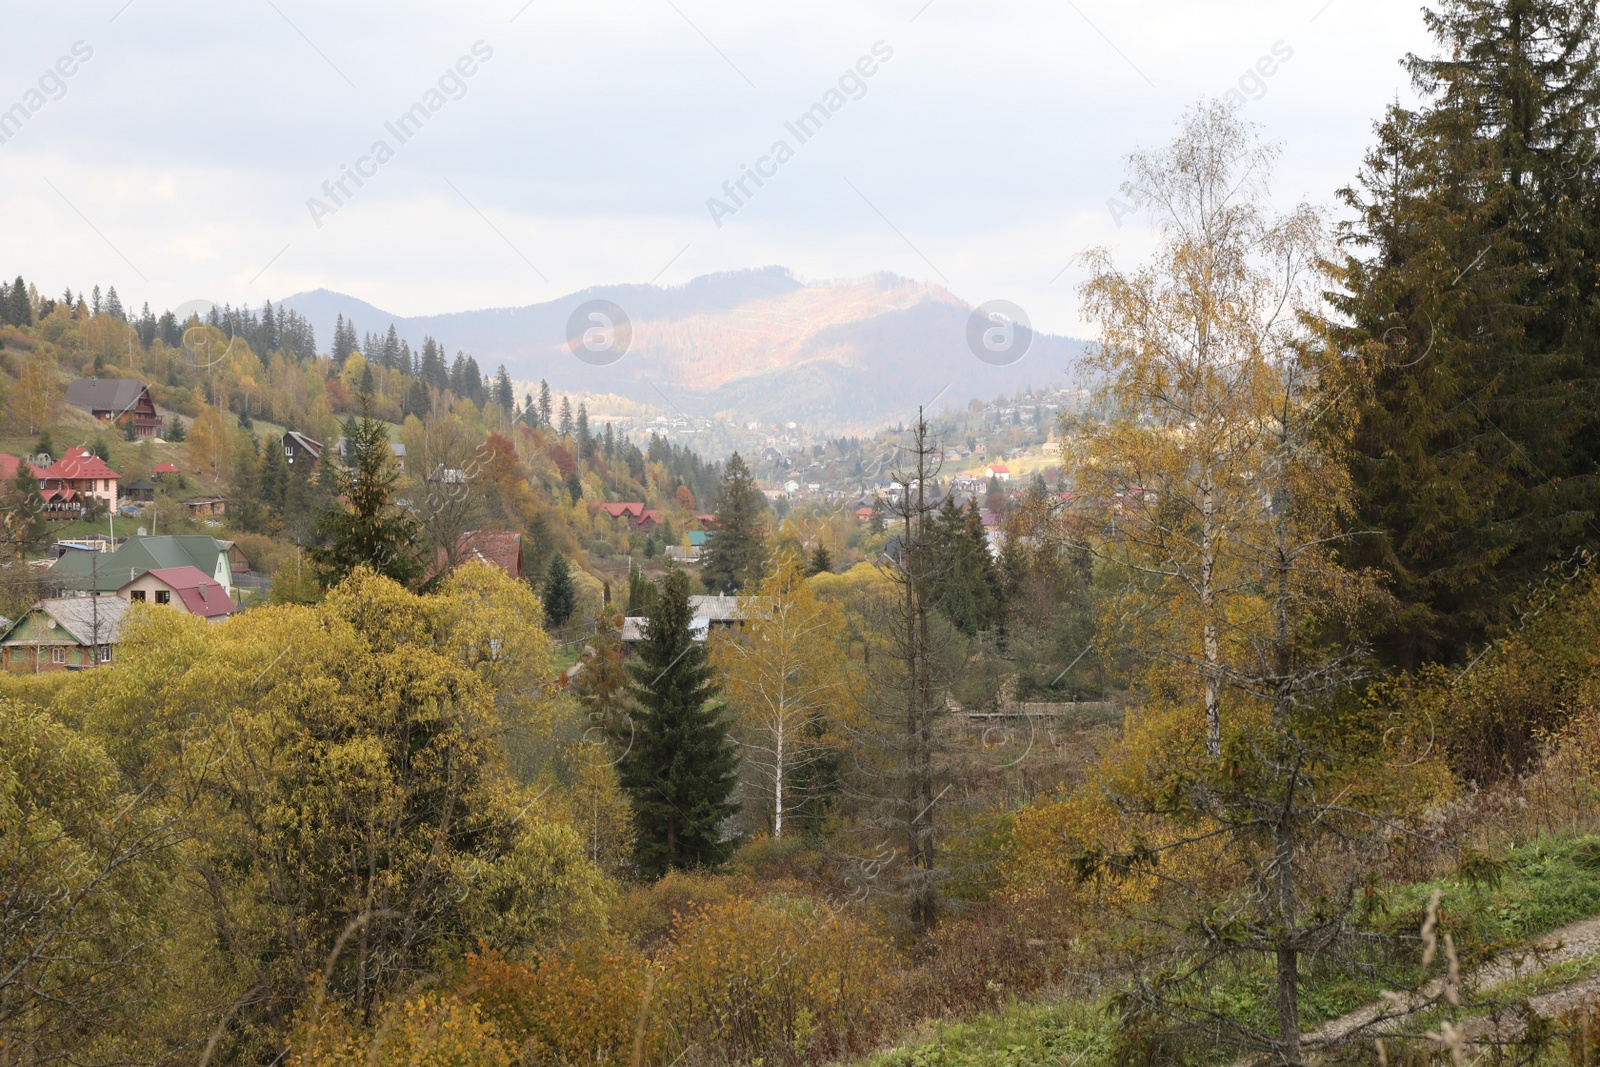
(1535, 888)
(1063, 1034)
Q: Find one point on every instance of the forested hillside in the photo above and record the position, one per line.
(1267, 731)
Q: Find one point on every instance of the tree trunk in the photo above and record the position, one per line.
(1213, 669)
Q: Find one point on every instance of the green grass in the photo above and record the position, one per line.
(1545, 884)
(1064, 1034)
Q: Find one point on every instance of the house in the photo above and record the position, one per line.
(63, 634)
(634, 513)
(205, 506)
(142, 491)
(300, 450)
(78, 572)
(707, 613)
(186, 588)
(693, 552)
(117, 401)
(398, 449)
(997, 470)
(630, 512)
(165, 468)
(498, 548)
(77, 477)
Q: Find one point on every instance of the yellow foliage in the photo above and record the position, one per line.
(427, 1031)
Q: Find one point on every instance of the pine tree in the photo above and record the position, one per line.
(560, 595)
(370, 530)
(505, 394)
(544, 403)
(275, 476)
(821, 561)
(391, 349)
(967, 590)
(1469, 284)
(114, 305)
(736, 553)
(566, 418)
(680, 768)
(585, 441)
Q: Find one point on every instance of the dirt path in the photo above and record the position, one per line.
(1557, 946)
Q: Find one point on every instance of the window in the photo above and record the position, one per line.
(58, 655)
(105, 653)
(136, 594)
(163, 596)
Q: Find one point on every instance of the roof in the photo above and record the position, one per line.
(497, 548)
(202, 594)
(165, 468)
(9, 465)
(617, 511)
(143, 485)
(697, 538)
(998, 468)
(79, 463)
(300, 440)
(75, 570)
(76, 615)
(105, 394)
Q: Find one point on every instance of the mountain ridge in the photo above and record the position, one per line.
(752, 344)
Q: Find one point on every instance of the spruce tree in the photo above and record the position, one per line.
(736, 553)
(370, 530)
(544, 403)
(680, 768)
(566, 418)
(504, 393)
(560, 595)
(585, 441)
(1470, 288)
(821, 561)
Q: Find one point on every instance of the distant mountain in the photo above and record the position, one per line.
(755, 344)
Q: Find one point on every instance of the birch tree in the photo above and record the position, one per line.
(1197, 353)
(783, 673)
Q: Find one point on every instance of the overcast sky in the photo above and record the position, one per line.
(177, 160)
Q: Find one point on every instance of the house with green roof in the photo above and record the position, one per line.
(105, 572)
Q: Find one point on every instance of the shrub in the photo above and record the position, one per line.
(576, 1004)
(783, 978)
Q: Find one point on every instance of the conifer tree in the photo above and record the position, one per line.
(820, 562)
(560, 595)
(370, 530)
(504, 393)
(680, 768)
(1469, 284)
(585, 441)
(544, 403)
(736, 553)
(565, 428)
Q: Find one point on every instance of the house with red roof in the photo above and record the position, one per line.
(164, 468)
(77, 477)
(189, 589)
(9, 465)
(998, 470)
(498, 548)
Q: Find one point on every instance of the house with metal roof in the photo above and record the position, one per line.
(185, 588)
(71, 481)
(63, 634)
(117, 401)
(106, 572)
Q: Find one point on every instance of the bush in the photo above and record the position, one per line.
(784, 979)
(576, 1004)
